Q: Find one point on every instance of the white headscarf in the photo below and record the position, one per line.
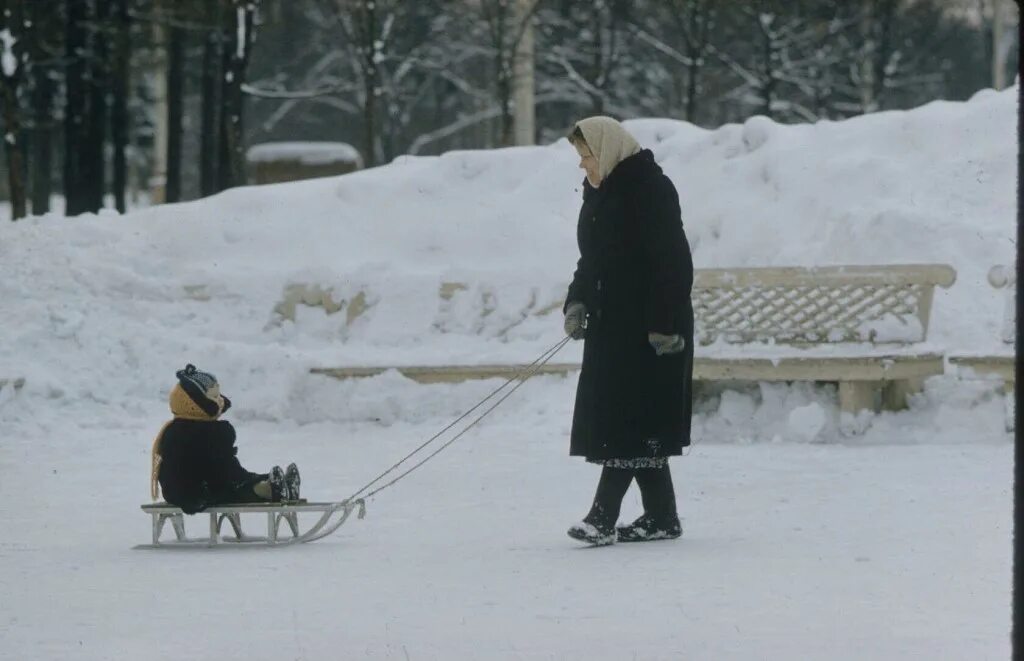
(609, 141)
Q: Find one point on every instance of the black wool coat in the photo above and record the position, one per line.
(634, 276)
(198, 466)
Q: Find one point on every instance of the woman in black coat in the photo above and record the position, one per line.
(630, 302)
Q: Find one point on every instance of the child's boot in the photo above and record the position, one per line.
(278, 488)
(292, 481)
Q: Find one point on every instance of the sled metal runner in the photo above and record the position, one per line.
(332, 515)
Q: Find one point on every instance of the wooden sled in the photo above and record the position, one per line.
(332, 516)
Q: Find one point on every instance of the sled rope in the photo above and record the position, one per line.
(529, 371)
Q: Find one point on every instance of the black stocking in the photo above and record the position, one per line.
(611, 489)
(657, 492)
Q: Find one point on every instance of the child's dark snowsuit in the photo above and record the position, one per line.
(199, 467)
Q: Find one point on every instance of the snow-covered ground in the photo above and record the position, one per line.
(790, 552)
(800, 542)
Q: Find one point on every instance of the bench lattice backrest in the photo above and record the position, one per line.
(879, 304)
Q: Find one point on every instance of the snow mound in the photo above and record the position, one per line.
(807, 422)
(462, 258)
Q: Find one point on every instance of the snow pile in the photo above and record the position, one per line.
(463, 258)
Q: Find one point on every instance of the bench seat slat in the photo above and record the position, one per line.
(1000, 365)
(826, 365)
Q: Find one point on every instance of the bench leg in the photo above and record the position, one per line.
(1010, 406)
(214, 529)
(293, 522)
(271, 528)
(896, 393)
(178, 523)
(235, 519)
(855, 396)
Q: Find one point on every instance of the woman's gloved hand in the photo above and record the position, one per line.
(666, 344)
(576, 321)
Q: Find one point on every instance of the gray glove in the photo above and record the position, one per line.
(666, 344)
(576, 321)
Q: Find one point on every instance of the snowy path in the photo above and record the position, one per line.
(790, 552)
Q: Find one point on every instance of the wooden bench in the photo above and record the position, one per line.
(287, 512)
(998, 364)
(862, 327)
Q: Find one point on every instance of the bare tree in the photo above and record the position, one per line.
(120, 91)
(870, 70)
(591, 61)
(366, 26)
(44, 61)
(175, 110)
(506, 24)
(684, 41)
(679, 32)
(239, 27)
(210, 125)
(783, 72)
(95, 137)
(76, 107)
(13, 61)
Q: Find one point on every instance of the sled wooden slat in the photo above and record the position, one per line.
(860, 311)
(332, 515)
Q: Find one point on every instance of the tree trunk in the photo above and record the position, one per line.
(884, 25)
(505, 99)
(769, 82)
(175, 111)
(121, 85)
(876, 23)
(596, 100)
(238, 41)
(76, 112)
(15, 151)
(41, 159)
(210, 138)
(12, 74)
(1002, 42)
(96, 136)
(504, 58)
(371, 81)
(696, 44)
(525, 122)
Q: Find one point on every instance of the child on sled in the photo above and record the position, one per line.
(194, 458)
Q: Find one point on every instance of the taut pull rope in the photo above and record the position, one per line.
(529, 371)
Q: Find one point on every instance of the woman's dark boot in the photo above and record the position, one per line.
(660, 519)
(598, 528)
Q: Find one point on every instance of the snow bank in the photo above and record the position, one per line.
(463, 258)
